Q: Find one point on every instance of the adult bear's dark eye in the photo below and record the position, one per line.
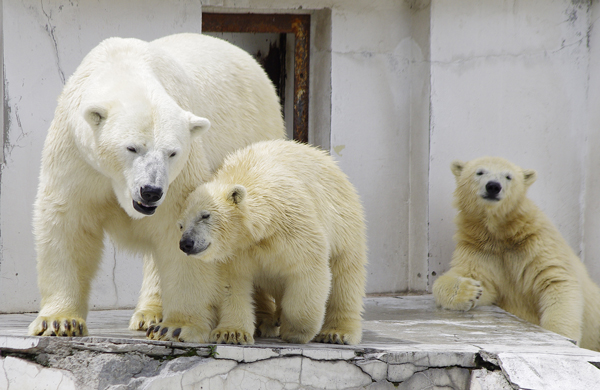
(132, 149)
(173, 154)
(479, 173)
(205, 215)
(508, 177)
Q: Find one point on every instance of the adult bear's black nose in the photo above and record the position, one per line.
(151, 194)
(186, 244)
(493, 188)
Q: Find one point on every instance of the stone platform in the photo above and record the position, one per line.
(408, 343)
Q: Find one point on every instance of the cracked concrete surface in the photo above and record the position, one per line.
(408, 344)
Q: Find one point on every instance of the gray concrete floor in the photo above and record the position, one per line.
(407, 342)
(412, 319)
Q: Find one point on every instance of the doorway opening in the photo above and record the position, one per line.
(270, 37)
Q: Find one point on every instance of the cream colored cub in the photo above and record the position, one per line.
(283, 217)
(508, 253)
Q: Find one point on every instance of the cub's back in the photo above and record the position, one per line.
(280, 166)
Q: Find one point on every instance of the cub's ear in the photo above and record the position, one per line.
(457, 167)
(198, 125)
(529, 176)
(237, 194)
(95, 115)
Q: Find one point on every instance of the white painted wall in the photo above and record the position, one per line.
(510, 78)
(591, 198)
(398, 90)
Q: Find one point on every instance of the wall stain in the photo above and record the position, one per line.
(338, 149)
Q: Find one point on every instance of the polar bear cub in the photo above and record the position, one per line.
(508, 253)
(282, 216)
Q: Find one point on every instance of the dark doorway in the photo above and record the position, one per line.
(275, 29)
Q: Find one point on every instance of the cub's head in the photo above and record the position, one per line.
(212, 224)
(140, 141)
(490, 184)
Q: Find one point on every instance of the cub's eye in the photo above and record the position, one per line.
(132, 149)
(508, 177)
(479, 172)
(205, 215)
(180, 226)
(173, 154)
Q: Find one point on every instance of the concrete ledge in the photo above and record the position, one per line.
(408, 344)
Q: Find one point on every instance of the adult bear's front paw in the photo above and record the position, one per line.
(231, 336)
(65, 326)
(173, 331)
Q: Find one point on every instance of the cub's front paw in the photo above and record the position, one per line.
(231, 336)
(296, 335)
(339, 336)
(173, 331)
(267, 327)
(465, 294)
(64, 326)
(143, 318)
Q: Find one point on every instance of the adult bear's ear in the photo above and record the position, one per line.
(95, 115)
(457, 167)
(237, 194)
(198, 125)
(529, 176)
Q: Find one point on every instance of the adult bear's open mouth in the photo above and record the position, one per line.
(146, 210)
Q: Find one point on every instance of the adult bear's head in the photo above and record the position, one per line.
(142, 142)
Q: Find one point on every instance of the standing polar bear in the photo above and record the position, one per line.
(130, 139)
(283, 217)
(508, 253)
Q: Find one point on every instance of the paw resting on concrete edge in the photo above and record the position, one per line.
(172, 331)
(231, 336)
(62, 326)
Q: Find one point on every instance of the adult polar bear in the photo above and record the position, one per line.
(129, 139)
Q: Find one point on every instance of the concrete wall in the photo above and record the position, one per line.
(510, 78)
(398, 90)
(591, 200)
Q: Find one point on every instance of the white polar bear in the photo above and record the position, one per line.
(130, 139)
(283, 217)
(508, 253)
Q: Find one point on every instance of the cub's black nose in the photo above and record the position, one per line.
(493, 188)
(186, 244)
(151, 194)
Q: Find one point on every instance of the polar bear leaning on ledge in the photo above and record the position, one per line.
(508, 253)
(129, 140)
(281, 216)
